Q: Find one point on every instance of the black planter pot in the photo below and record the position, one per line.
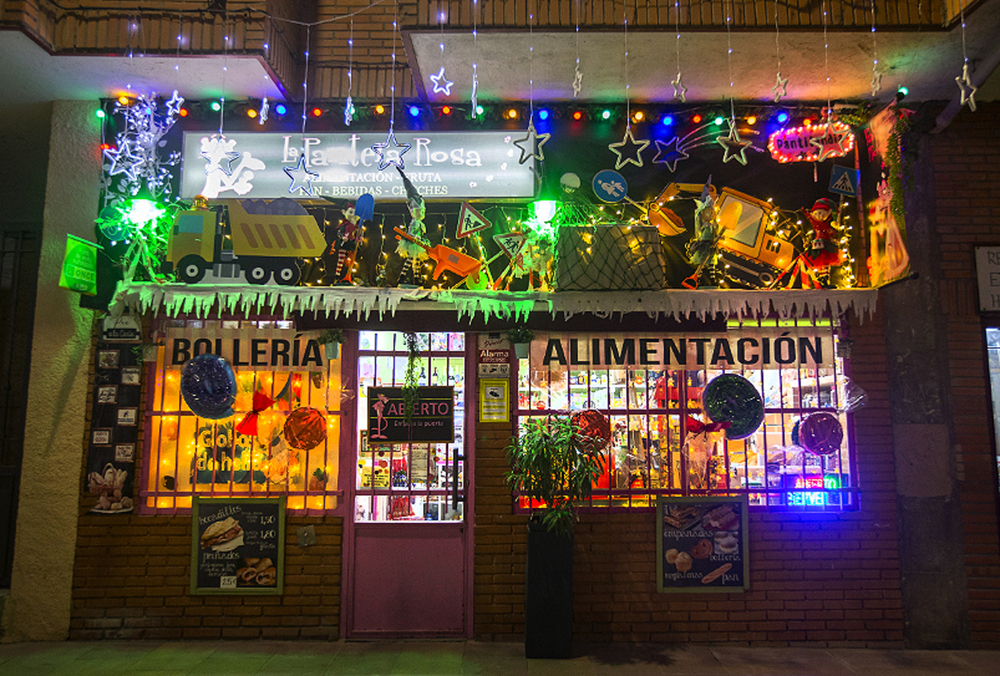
(548, 602)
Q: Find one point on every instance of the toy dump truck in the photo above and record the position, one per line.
(264, 239)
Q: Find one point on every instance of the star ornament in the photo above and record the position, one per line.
(965, 86)
(174, 104)
(531, 144)
(780, 88)
(876, 81)
(577, 81)
(390, 152)
(669, 153)
(301, 177)
(219, 157)
(629, 151)
(442, 85)
(680, 91)
(836, 141)
(735, 147)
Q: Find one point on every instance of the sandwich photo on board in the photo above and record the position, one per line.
(222, 536)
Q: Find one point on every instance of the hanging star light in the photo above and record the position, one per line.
(301, 177)
(680, 91)
(669, 153)
(384, 151)
(123, 161)
(628, 150)
(734, 146)
(265, 106)
(833, 142)
(174, 104)
(577, 81)
(780, 88)
(442, 85)
(965, 86)
(531, 144)
(876, 80)
(348, 111)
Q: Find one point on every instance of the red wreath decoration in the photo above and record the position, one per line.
(593, 429)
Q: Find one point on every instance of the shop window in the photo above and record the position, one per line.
(993, 360)
(410, 481)
(294, 450)
(651, 387)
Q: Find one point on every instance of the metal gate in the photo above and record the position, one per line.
(18, 279)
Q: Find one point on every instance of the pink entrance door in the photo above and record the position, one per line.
(407, 559)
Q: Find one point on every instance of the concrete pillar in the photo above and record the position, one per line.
(40, 600)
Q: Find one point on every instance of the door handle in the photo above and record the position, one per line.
(454, 481)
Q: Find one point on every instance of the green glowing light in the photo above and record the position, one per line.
(142, 211)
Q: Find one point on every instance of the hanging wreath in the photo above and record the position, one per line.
(734, 399)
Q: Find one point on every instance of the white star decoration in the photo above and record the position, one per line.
(736, 148)
(442, 85)
(680, 90)
(174, 104)
(577, 81)
(876, 81)
(531, 144)
(391, 145)
(780, 88)
(265, 106)
(630, 150)
(301, 177)
(965, 86)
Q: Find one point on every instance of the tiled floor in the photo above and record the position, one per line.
(149, 658)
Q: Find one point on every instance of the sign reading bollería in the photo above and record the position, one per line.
(701, 544)
(432, 419)
(452, 165)
(237, 545)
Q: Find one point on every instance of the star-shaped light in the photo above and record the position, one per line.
(780, 88)
(680, 91)
(174, 104)
(301, 177)
(264, 108)
(391, 145)
(577, 81)
(218, 158)
(876, 80)
(629, 151)
(735, 147)
(531, 144)
(348, 111)
(442, 85)
(965, 86)
(123, 161)
(474, 99)
(836, 141)
(669, 153)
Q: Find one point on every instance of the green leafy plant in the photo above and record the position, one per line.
(551, 464)
(520, 334)
(334, 335)
(411, 391)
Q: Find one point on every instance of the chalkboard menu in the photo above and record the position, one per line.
(237, 545)
(701, 544)
(432, 419)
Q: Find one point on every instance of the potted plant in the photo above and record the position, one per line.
(552, 467)
(520, 337)
(331, 339)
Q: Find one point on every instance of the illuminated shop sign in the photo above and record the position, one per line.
(268, 349)
(811, 143)
(815, 498)
(453, 165)
(755, 349)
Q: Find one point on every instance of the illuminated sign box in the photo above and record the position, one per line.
(452, 165)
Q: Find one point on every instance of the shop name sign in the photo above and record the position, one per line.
(453, 165)
(267, 349)
(427, 418)
(814, 143)
(757, 349)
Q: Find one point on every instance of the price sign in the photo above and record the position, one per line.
(237, 545)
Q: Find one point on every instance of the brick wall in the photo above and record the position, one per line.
(829, 579)
(966, 165)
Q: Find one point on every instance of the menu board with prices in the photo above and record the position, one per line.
(701, 544)
(237, 545)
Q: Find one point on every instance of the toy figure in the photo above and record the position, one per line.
(823, 250)
(343, 247)
(412, 252)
